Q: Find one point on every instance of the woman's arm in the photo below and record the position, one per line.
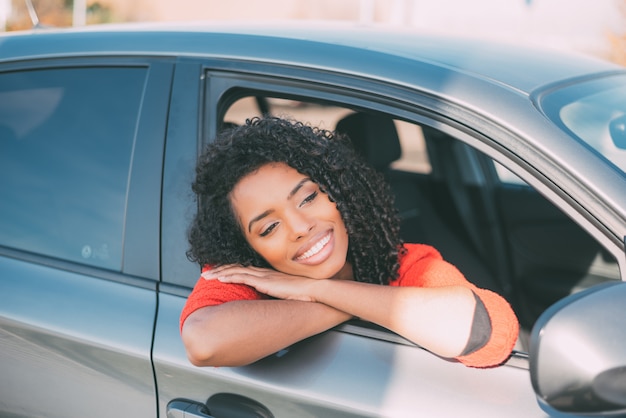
(240, 332)
(438, 319)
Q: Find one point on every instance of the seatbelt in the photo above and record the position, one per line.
(493, 253)
(461, 200)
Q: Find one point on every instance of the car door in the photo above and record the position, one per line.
(81, 145)
(352, 370)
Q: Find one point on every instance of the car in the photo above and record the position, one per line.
(509, 159)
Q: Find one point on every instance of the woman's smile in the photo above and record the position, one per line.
(319, 251)
(290, 222)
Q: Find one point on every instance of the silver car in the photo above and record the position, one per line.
(511, 161)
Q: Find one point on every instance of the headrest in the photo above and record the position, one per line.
(374, 136)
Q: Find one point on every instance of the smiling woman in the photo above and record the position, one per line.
(297, 234)
(299, 230)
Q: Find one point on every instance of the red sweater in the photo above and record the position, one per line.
(420, 266)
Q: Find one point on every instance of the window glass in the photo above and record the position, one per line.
(593, 112)
(506, 176)
(66, 140)
(600, 119)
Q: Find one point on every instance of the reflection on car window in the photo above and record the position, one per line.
(506, 176)
(590, 118)
(66, 139)
(595, 113)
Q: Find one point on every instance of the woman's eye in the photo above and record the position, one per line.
(309, 198)
(269, 229)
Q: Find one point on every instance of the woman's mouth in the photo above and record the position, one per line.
(316, 248)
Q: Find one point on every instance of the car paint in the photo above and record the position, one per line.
(109, 342)
(73, 345)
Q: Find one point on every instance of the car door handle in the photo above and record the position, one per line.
(182, 408)
(220, 405)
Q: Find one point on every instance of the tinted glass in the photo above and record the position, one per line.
(595, 113)
(66, 140)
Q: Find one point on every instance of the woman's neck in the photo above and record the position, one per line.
(345, 273)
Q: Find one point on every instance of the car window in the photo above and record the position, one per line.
(508, 239)
(506, 176)
(66, 141)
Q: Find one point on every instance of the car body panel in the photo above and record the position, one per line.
(73, 345)
(314, 46)
(317, 378)
(77, 338)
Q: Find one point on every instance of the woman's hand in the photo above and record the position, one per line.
(268, 281)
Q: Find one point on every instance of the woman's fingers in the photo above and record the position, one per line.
(268, 281)
(233, 269)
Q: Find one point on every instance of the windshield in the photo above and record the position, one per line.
(595, 113)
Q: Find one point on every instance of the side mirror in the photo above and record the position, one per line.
(578, 353)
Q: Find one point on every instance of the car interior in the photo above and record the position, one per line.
(500, 232)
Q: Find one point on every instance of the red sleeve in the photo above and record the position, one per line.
(423, 266)
(214, 292)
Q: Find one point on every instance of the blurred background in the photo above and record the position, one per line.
(595, 27)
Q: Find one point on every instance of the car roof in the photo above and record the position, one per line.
(378, 51)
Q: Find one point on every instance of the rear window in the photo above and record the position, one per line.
(66, 141)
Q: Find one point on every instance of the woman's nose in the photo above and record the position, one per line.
(300, 224)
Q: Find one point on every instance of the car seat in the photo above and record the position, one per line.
(375, 137)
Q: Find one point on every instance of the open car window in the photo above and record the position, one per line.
(507, 239)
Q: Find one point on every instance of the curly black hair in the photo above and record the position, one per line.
(363, 198)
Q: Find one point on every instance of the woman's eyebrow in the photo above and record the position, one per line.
(258, 218)
(298, 187)
(289, 196)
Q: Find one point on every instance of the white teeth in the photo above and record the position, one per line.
(315, 249)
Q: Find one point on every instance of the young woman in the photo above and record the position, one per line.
(296, 234)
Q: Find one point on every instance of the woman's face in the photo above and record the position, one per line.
(293, 225)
